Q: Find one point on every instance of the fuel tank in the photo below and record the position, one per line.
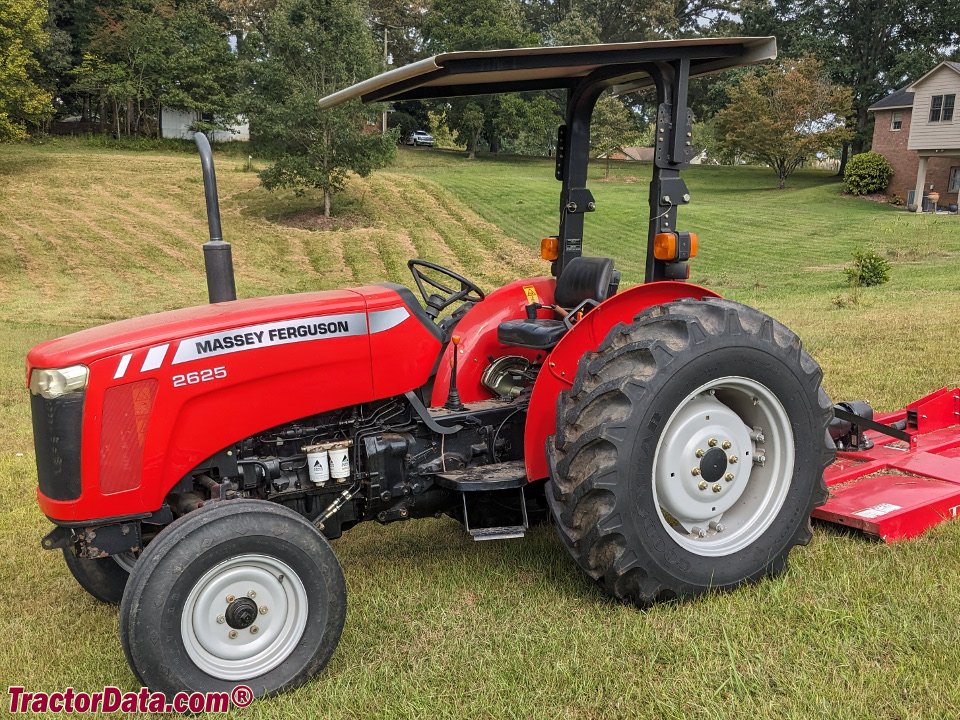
(164, 392)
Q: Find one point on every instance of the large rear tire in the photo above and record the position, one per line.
(689, 452)
(242, 592)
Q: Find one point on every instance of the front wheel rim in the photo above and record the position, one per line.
(126, 560)
(723, 466)
(215, 625)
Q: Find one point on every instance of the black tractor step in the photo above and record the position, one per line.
(496, 532)
(486, 478)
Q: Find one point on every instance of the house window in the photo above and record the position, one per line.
(941, 108)
(955, 179)
(896, 122)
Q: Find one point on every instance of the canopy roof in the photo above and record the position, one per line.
(542, 68)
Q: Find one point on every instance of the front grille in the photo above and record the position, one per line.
(57, 428)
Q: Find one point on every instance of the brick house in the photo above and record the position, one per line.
(915, 128)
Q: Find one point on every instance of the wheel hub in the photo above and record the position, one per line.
(241, 613)
(696, 482)
(713, 466)
(711, 491)
(244, 617)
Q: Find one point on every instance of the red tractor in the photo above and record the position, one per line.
(197, 462)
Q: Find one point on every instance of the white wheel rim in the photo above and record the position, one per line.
(713, 506)
(281, 618)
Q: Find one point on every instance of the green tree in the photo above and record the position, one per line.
(150, 53)
(104, 81)
(200, 72)
(628, 20)
(871, 47)
(538, 136)
(309, 49)
(452, 25)
(611, 127)
(785, 115)
(22, 101)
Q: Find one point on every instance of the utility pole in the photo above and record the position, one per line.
(385, 56)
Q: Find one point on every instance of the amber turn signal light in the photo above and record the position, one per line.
(550, 248)
(673, 247)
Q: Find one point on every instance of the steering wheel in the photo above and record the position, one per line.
(436, 302)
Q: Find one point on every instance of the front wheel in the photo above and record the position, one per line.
(689, 452)
(242, 592)
(104, 578)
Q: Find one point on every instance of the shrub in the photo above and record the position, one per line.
(866, 173)
(868, 269)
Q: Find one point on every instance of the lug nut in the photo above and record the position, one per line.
(233, 634)
(759, 437)
(221, 619)
(733, 459)
(699, 532)
(712, 442)
(254, 629)
(700, 453)
(702, 485)
(230, 598)
(695, 470)
(726, 445)
(714, 525)
(252, 594)
(717, 487)
(728, 477)
(263, 609)
(759, 460)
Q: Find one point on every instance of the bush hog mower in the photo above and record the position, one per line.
(196, 462)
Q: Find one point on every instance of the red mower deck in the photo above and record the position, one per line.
(897, 490)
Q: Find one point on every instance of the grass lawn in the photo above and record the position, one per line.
(439, 626)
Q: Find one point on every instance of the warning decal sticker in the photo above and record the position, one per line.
(877, 511)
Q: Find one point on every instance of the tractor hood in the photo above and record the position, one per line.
(88, 346)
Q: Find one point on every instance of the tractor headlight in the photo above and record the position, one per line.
(54, 382)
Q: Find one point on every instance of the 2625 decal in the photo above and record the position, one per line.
(193, 378)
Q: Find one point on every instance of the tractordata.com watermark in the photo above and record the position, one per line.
(113, 699)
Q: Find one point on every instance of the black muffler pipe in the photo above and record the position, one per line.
(217, 256)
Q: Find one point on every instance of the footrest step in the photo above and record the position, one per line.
(498, 533)
(500, 476)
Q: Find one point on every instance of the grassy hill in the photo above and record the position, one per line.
(439, 626)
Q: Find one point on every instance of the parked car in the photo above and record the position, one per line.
(420, 137)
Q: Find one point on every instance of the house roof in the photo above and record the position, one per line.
(542, 68)
(644, 154)
(901, 98)
(946, 63)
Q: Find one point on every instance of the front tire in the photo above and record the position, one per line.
(104, 578)
(242, 592)
(689, 452)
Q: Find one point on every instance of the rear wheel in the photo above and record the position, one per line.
(689, 452)
(242, 592)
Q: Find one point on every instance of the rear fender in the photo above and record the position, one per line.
(561, 365)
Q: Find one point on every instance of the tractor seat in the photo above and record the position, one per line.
(585, 278)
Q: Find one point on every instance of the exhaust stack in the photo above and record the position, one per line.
(217, 256)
